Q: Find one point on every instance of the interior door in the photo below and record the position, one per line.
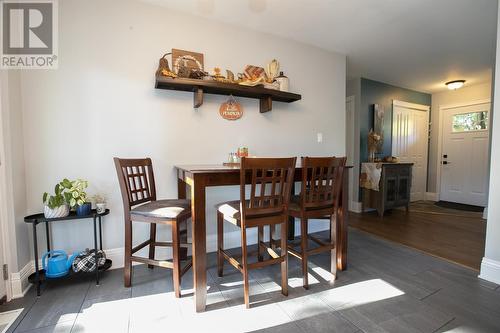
(464, 160)
(410, 137)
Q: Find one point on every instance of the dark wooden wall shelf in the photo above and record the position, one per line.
(199, 87)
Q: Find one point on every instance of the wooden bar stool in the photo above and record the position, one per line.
(138, 191)
(322, 181)
(271, 180)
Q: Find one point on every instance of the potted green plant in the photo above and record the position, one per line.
(100, 203)
(55, 205)
(76, 197)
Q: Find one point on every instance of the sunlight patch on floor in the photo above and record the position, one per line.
(154, 313)
(7, 319)
(359, 293)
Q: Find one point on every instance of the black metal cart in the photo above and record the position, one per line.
(39, 276)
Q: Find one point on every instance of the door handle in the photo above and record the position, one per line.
(446, 162)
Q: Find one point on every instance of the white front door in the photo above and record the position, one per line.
(410, 137)
(464, 160)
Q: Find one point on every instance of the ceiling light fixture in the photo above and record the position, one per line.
(454, 85)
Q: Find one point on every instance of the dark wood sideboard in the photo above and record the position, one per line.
(394, 188)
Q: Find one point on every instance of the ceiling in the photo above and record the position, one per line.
(417, 44)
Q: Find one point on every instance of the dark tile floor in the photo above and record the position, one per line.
(387, 288)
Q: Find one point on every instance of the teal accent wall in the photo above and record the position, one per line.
(374, 92)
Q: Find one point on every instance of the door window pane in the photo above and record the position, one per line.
(474, 121)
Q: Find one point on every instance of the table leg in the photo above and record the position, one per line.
(198, 206)
(181, 194)
(37, 273)
(291, 219)
(95, 253)
(342, 223)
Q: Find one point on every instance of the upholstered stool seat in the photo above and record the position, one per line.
(168, 209)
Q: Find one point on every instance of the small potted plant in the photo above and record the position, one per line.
(100, 203)
(55, 205)
(76, 196)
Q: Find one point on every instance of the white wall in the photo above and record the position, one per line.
(101, 103)
(449, 97)
(490, 266)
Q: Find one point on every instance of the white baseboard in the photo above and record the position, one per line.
(355, 206)
(490, 270)
(485, 213)
(431, 196)
(232, 239)
(19, 280)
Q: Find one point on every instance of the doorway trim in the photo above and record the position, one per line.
(5, 233)
(421, 107)
(354, 204)
(442, 108)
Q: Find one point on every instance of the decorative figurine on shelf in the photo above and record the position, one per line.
(283, 81)
(197, 74)
(231, 109)
(373, 142)
(185, 62)
(253, 76)
(163, 68)
(218, 76)
(100, 203)
(272, 70)
(230, 76)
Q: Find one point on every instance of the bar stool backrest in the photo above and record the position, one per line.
(322, 181)
(136, 178)
(271, 182)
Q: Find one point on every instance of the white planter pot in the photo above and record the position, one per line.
(60, 211)
(100, 207)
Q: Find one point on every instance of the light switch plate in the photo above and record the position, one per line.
(320, 137)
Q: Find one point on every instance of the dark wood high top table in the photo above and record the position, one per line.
(199, 177)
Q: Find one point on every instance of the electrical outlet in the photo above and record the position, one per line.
(320, 137)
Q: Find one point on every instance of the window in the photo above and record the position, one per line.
(474, 121)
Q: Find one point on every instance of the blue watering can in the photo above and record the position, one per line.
(58, 264)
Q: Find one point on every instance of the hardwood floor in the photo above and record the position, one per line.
(458, 237)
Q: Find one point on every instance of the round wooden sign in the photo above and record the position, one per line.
(231, 110)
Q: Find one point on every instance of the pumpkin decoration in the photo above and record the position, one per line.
(231, 109)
